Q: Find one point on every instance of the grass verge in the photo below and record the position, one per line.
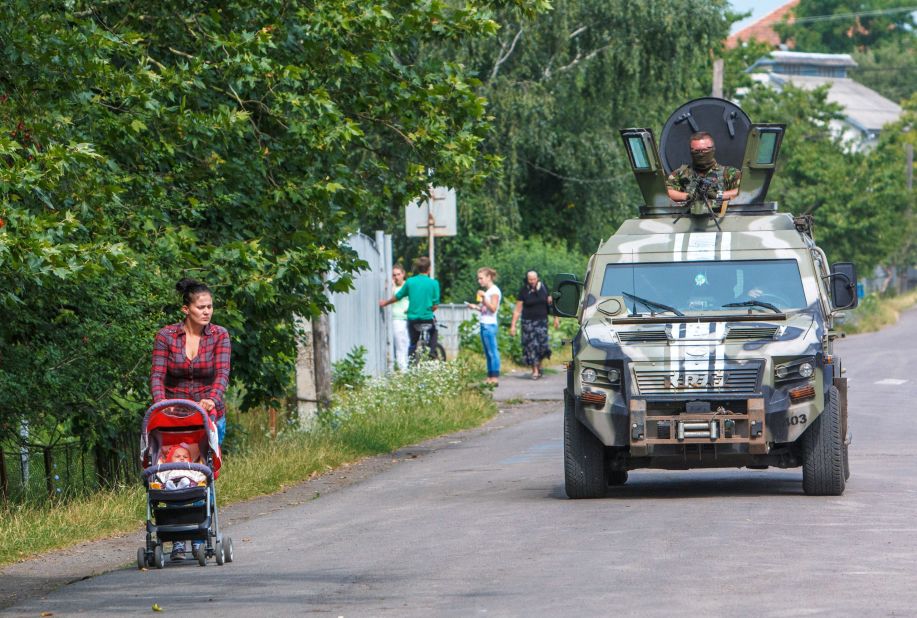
(876, 312)
(430, 400)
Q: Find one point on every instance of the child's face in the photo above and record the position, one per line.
(181, 455)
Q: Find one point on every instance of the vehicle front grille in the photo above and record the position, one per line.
(737, 380)
(751, 332)
(636, 336)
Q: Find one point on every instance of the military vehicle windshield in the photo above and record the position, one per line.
(709, 285)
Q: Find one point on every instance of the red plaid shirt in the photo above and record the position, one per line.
(175, 377)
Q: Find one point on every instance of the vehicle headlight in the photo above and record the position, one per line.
(588, 375)
(800, 368)
(614, 376)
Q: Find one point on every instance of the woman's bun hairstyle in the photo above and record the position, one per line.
(189, 288)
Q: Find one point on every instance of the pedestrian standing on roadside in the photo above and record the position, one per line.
(532, 305)
(489, 308)
(400, 337)
(422, 292)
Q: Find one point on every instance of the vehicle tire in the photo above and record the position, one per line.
(141, 558)
(440, 353)
(584, 457)
(227, 549)
(159, 558)
(218, 553)
(617, 477)
(823, 451)
(201, 555)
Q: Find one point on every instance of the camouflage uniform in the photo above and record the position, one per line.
(685, 178)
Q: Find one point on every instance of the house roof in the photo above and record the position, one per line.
(864, 108)
(825, 60)
(763, 29)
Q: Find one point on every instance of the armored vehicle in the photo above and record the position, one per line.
(707, 327)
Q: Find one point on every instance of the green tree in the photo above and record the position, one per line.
(856, 198)
(238, 142)
(841, 26)
(889, 68)
(560, 85)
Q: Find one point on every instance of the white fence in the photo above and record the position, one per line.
(358, 321)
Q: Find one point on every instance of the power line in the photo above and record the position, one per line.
(814, 18)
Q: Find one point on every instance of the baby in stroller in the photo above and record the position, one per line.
(171, 480)
(179, 479)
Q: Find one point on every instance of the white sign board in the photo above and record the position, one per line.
(445, 219)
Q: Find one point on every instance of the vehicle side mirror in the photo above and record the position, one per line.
(844, 285)
(567, 298)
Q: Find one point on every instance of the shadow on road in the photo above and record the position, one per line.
(678, 485)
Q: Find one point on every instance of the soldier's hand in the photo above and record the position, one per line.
(711, 192)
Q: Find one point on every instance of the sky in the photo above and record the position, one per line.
(759, 9)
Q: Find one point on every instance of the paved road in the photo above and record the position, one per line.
(481, 527)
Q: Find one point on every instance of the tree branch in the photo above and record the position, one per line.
(506, 55)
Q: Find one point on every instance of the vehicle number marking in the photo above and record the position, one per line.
(799, 419)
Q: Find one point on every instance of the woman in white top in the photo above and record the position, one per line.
(490, 305)
(400, 320)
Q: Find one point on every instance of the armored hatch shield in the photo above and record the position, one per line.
(722, 119)
(740, 143)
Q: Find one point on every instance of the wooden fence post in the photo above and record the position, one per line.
(49, 471)
(4, 479)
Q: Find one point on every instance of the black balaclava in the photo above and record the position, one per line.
(703, 159)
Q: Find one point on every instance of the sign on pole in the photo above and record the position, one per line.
(432, 217)
(444, 214)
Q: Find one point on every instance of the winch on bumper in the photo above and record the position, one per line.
(721, 426)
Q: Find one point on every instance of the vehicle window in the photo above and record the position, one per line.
(708, 285)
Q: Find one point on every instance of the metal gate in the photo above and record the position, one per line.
(356, 319)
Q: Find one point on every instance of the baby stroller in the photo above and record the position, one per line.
(188, 513)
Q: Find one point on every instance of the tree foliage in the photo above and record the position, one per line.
(560, 85)
(841, 26)
(858, 200)
(237, 142)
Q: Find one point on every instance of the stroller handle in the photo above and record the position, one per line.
(177, 465)
(177, 403)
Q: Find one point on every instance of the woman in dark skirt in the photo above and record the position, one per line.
(532, 305)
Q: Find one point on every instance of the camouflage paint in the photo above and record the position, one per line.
(710, 352)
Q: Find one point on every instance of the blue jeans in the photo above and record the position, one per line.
(221, 428)
(491, 352)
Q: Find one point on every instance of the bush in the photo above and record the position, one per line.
(348, 372)
(512, 260)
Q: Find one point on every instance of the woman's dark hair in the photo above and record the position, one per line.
(189, 288)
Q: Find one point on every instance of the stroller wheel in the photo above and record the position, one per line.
(227, 549)
(201, 555)
(141, 558)
(218, 552)
(159, 559)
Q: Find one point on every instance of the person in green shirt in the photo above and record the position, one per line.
(422, 293)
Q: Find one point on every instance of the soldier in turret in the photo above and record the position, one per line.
(704, 178)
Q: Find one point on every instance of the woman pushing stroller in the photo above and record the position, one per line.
(191, 357)
(191, 361)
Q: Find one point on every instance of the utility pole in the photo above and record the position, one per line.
(909, 169)
(717, 78)
(431, 228)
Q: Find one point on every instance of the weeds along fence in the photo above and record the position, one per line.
(38, 473)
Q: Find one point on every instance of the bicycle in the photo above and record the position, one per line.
(423, 344)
